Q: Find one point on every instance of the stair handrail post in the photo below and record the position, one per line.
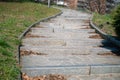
(48, 3)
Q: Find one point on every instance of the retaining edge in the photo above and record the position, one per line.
(32, 25)
(104, 35)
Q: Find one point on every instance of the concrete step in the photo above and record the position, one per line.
(68, 60)
(57, 50)
(69, 65)
(72, 21)
(60, 42)
(56, 70)
(56, 30)
(63, 26)
(71, 40)
(42, 30)
(108, 76)
(74, 30)
(89, 42)
(43, 42)
(82, 73)
(62, 35)
(72, 50)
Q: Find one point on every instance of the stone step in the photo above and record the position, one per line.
(74, 30)
(63, 26)
(67, 33)
(60, 42)
(97, 42)
(66, 20)
(56, 70)
(42, 30)
(92, 48)
(77, 18)
(77, 73)
(62, 35)
(36, 72)
(43, 42)
(56, 30)
(108, 76)
(71, 40)
(69, 65)
(72, 50)
(68, 60)
(57, 50)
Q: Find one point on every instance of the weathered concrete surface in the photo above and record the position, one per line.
(66, 45)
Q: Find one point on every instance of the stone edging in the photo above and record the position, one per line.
(104, 35)
(44, 19)
(27, 30)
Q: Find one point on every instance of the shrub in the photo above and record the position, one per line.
(116, 20)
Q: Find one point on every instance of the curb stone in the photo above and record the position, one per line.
(44, 19)
(104, 35)
(26, 31)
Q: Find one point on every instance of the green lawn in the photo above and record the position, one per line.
(14, 19)
(104, 23)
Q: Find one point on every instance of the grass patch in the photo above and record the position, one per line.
(104, 22)
(14, 19)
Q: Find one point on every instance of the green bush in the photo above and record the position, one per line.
(116, 20)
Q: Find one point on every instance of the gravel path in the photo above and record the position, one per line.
(66, 45)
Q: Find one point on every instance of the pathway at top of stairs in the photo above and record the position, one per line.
(66, 45)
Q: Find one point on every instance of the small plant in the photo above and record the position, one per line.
(5, 52)
(3, 43)
(116, 20)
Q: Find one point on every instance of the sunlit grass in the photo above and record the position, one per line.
(14, 19)
(104, 22)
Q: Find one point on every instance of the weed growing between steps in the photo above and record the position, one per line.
(14, 19)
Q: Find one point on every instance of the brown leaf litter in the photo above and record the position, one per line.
(86, 27)
(33, 36)
(24, 53)
(106, 54)
(97, 36)
(44, 77)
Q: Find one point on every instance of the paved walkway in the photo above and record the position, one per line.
(67, 45)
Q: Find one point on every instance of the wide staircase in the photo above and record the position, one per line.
(66, 45)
